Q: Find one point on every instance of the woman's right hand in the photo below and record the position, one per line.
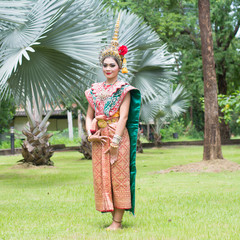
(97, 138)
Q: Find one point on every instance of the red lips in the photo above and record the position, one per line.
(108, 73)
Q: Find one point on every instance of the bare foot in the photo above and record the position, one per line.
(114, 226)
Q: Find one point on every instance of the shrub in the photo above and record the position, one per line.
(6, 144)
(192, 132)
(176, 126)
(61, 137)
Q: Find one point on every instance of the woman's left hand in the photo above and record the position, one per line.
(113, 154)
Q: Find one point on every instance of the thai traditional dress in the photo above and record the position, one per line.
(114, 185)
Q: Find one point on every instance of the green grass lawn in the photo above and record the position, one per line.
(58, 203)
(181, 139)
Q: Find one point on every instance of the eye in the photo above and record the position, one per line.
(112, 65)
(105, 65)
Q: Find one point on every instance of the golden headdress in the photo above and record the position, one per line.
(115, 51)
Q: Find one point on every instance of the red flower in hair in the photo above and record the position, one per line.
(122, 50)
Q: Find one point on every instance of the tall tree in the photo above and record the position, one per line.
(212, 140)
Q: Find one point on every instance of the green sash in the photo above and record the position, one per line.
(132, 126)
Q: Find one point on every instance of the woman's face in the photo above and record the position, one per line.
(110, 68)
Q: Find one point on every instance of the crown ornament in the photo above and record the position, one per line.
(115, 51)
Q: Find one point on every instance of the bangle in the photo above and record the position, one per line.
(114, 145)
(117, 136)
(88, 138)
(116, 139)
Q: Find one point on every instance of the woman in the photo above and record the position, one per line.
(112, 125)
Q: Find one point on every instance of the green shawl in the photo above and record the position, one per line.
(132, 126)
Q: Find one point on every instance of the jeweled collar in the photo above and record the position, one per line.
(109, 84)
(97, 86)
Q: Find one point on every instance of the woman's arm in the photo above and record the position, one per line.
(89, 118)
(96, 137)
(124, 110)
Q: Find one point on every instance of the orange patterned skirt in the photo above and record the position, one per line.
(111, 182)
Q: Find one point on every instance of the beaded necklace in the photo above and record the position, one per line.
(105, 92)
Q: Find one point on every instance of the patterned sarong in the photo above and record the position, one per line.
(111, 182)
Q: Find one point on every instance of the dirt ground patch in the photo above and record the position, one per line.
(29, 166)
(215, 166)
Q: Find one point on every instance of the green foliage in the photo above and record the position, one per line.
(13, 13)
(7, 111)
(234, 126)
(230, 106)
(225, 23)
(59, 137)
(176, 126)
(185, 132)
(6, 144)
(193, 133)
(62, 137)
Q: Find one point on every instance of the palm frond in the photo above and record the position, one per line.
(52, 52)
(149, 110)
(169, 105)
(176, 101)
(20, 41)
(13, 13)
(76, 34)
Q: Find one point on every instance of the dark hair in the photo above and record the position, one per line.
(114, 58)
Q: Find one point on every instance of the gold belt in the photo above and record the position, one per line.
(103, 123)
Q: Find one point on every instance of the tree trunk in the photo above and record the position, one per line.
(148, 131)
(212, 140)
(36, 149)
(85, 146)
(191, 114)
(70, 125)
(139, 144)
(80, 128)
(224, 129)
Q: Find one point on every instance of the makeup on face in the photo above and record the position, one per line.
(110, 65)
(110, 69)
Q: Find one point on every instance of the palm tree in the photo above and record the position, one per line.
(51, 51)
(45, 55)
(166, 106)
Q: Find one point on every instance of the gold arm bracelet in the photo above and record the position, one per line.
(113, 145)
(88, 138)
